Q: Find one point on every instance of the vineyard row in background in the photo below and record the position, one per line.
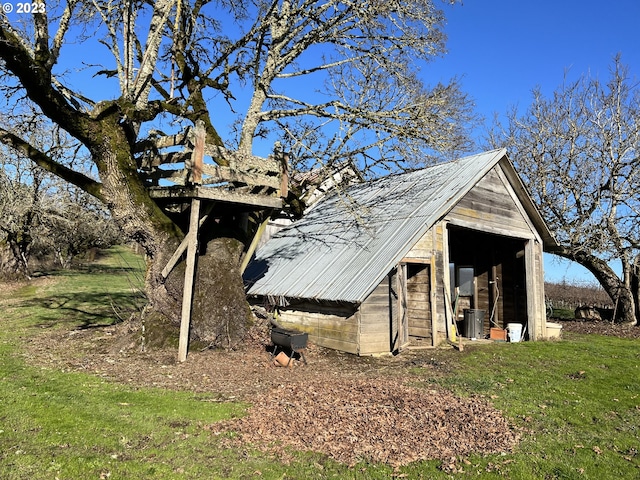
(573, 300)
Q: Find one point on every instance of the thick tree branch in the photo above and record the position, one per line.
(63, 28)
(80, 180)
(37, 81)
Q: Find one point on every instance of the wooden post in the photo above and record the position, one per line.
(446, 278)
(254, 244)
(534, 282)
(403, 319)
(197, 156)
(433, 287)
(284, 172)
(495, 308)
(189, 276)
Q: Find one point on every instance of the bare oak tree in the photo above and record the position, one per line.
(579, 151)
(23, 205)
(330, 79)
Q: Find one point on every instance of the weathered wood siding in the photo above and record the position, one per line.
(490, 206)
(378, 321)
(367, 330)
(422, 250)
(328, 325)
(537, 324)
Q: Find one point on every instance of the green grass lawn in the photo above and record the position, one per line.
(577, 402)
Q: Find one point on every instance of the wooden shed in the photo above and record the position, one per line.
(410, 258)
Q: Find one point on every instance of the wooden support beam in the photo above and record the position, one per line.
(247, 163)
(254, 244)
(221, 195)
(494, 315)
(181, 249)
(197, 157)
(189, 277)
(220, 174)
(175, 257)
(534, 281)
(162, 141)
(178, 177)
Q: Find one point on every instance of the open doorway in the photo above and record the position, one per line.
(487, 273)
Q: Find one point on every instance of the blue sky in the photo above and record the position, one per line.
(502, 49)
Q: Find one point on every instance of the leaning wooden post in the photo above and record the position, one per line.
(198, 153)
(254, 244)
(189, 276)
(183, 245)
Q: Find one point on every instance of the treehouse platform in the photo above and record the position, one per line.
(177, 168)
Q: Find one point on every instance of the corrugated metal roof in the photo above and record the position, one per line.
(344, 247)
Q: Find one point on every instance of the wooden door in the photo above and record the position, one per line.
(418, 299)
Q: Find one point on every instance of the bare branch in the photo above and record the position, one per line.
(44, 161)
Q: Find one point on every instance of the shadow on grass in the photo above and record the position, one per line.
(85, 309)
(93, 269)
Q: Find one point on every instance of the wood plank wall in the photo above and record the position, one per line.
(377, 320)
(489, 207)
(328, 325)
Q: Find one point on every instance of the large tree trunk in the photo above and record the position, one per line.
(220, 314)
(620, 292)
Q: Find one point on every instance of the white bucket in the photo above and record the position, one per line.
(515, 331)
